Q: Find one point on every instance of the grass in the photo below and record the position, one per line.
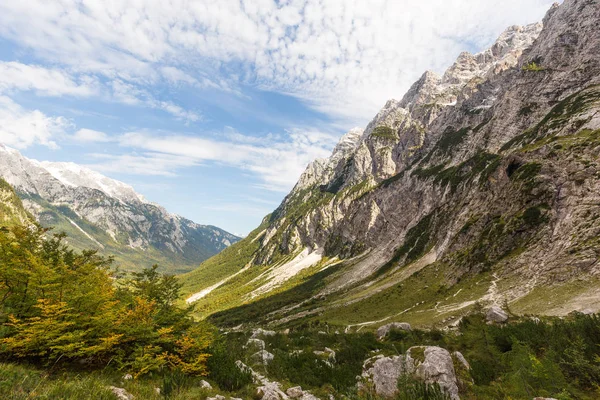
(11, 208)
(26, 382)
(533, 67)
(384, 132)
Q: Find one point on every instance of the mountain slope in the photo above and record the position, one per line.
(478, 186)
(108, 215)
(12, 211)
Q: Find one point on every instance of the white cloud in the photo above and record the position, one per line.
(277, 160)
(21, 128)
(345, 58)
(90, 136)
(44, 81)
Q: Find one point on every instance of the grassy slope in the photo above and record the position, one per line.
(224, 264)
(11, 207)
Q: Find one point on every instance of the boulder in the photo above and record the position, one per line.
(205, 385)
(496, 315)
(295, 392)
(429, 364)
(263, 357)
(121, 393)
(437, 367)
(461, 359)
(257, 333)
(271, 391)
(382, 331)
(383, 373)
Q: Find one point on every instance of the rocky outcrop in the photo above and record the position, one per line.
(430, 364)
(496, 314)
(436, 368)
(382, 331)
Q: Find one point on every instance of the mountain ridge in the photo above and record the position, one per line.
(102, 213)
(487, 176)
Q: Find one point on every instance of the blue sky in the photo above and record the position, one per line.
(213, 111)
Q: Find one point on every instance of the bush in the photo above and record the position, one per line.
(60, 305)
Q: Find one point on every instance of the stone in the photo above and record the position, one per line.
(205, 385)
(461, 359)
(495, 314)
(384, 372)
(436, 368)
(127, 377)
(263, 357)
(257, 333)
(382, 331)
(121, 393)
(295, 392)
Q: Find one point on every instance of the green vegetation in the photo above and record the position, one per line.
(60, 306)
(415, 244)
(481, 165)
(559, 117)
(384, 132)
(11, 208)
(451, 138)
(224, 264)
(533, 66)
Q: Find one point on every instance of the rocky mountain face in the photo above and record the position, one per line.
(99, 212)
(487, 174)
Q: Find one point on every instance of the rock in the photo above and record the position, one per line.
(436, 368)
(157, 390)
(496, 315)
(121, 393)
(461, 359)
(330, 354)
(429, 364)
(263, 357)
(295, 392)
(127, 377)
(256, 344)
(217, 397)
(587, 311)
(286, 331)
(205, 385)
(382, 331)
(257, 333)
(271, 391)
(544, 398)
(383, 373)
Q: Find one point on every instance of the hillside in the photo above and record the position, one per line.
(107, 215)
(478, 186)
(11, 208)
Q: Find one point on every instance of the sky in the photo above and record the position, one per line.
(214, 108)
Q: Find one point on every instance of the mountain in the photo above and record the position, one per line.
(478, 186)
(101, 213)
